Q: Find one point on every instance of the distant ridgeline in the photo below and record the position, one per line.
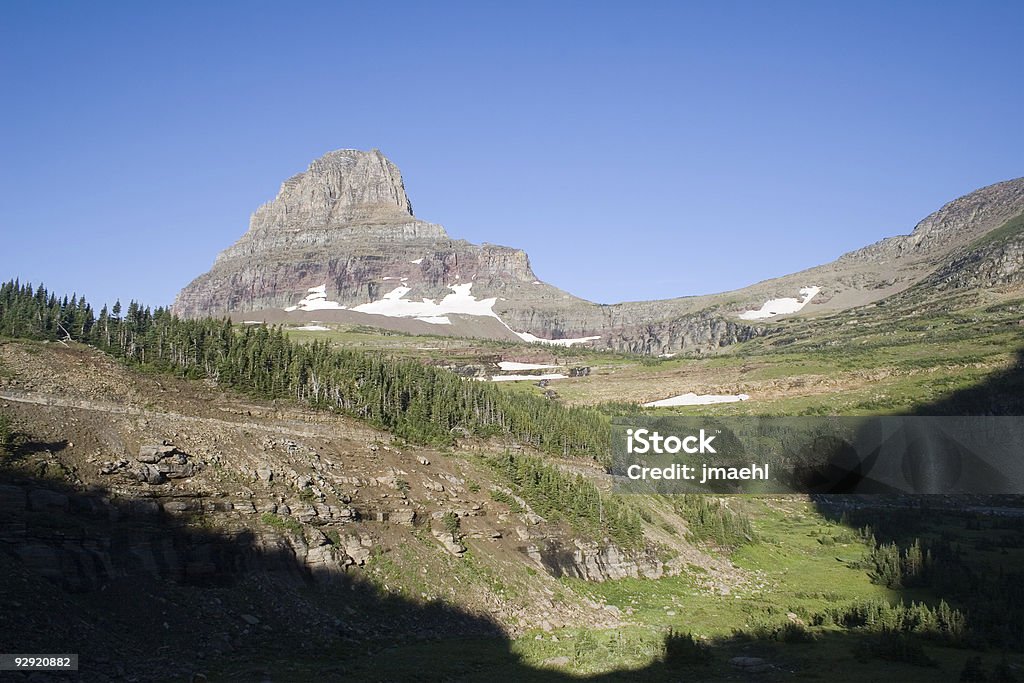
(418, 403)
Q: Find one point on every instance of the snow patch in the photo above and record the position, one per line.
(526, 336)
(516, 378)
(417, 261)
(692, 399)
(253, 322)
(316, 300)
(780, 306)
(509, 365)
(313, 328)
(461, 300)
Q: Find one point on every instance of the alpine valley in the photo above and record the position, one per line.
(298, 473)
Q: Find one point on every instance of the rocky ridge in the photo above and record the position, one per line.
(346, 224)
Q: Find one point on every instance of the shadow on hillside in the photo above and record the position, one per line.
(971, 542)
(141, 595)
(1002, 393)
(140, 592)
(24, 448)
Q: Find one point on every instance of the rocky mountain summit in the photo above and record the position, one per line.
(340, 243)
(346, 225)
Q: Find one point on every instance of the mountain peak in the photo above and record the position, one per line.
(976, 212)
(343, 187)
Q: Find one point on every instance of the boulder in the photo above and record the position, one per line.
(325, 562)
(449, 542)
(404, 517)
(358, 548)
(150, 474)
(154, 453)
(177, 469)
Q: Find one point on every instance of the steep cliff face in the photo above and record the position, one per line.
(994, 261)
(340, 239)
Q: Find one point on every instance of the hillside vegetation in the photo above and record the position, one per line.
(419, 403)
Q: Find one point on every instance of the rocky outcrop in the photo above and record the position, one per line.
(161, 462)
(994, 263)
(593, 561)
(699, 331)
(119, 540)
(956, 224)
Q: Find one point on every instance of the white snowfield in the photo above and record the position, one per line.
(526, 336)
(510, 365)
(395, 305)
(417, 261)
(692, 399)
(313, 328)
(316, 300)
(535, 378)
(781, 306)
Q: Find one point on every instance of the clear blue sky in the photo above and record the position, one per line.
(635, 152)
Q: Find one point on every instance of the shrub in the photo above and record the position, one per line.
(684, 650)
(795, 633)
(451, 524)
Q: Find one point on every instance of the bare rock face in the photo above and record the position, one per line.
(996, 263)
(954, 225)
(593, 561)
(341, 188)
(345, 223)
